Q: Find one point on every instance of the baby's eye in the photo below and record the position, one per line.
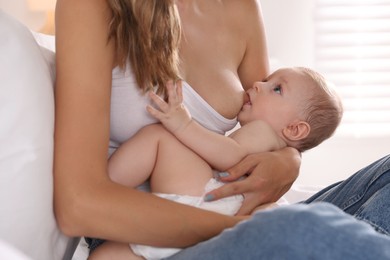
(278, 89)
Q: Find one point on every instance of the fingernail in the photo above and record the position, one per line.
(223, 174)
(209, 197)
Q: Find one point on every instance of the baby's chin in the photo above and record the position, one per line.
(241, 119)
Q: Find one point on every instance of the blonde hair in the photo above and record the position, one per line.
(147, 33)
(323, 110)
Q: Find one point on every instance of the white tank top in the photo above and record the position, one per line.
(128, 109)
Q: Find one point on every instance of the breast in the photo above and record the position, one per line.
(204, 113)
(128, 109)
(128, 106)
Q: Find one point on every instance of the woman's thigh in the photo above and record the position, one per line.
(364, 195)
(316, 231)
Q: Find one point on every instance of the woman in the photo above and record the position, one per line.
(222, 49)
(218, 52)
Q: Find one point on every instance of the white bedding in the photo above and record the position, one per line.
(27, 221)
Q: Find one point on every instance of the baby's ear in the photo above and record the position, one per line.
(296, 131)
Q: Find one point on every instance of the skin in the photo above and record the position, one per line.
(179, 156)
(206, 65)
(279, 101)
(197, 150)
(236, 27)
(84, 64)
(282, 94)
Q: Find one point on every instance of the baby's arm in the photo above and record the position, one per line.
(220, 151)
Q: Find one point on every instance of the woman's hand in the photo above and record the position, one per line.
(269, 176)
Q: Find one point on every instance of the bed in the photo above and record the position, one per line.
(27, 225)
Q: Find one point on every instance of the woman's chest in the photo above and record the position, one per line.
(128, 109)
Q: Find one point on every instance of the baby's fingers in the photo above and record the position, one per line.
(174, 91)
(158, 101)
(179, 90)
(154, 112)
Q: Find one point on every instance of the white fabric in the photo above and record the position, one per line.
(205, 114)
(26, 152)
(128, 109)
(227, 206)
(9, 252)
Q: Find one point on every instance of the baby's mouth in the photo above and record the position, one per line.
(247, 100)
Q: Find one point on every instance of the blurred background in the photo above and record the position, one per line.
(348, 41)
(38, 15)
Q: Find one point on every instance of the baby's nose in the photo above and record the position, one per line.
(257, 86)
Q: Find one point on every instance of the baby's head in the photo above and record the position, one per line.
(298, 103)
(322, 110)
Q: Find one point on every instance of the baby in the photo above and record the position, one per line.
(293, 107)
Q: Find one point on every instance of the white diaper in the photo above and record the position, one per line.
(227, 206)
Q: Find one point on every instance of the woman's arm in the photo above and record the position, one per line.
(86, 202)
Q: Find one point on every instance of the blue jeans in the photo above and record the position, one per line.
(348, 220)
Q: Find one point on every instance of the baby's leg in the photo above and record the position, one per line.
(133, 162)
(153, 150)
(178, 169)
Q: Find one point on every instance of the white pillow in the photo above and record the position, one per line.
(26, 145)
(9, 252)
(45, 40)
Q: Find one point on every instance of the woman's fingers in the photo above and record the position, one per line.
(256, 192)
(239, 170)
(229, 189)
(262, 184)
(250, 202)
(251, 199)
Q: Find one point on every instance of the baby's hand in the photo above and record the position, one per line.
(173, 115)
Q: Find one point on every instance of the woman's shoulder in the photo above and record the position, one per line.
(244, 14)
(82, 46)
(81, 3)
(88, 8)
(244, 7)
(83, 23)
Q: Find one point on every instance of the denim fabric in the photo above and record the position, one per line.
(364, 195)
(315, 229)
(93, 243)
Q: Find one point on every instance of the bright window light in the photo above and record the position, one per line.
(352, 49)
